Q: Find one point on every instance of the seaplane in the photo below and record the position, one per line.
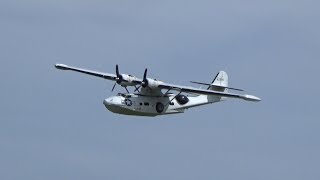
(152, 97)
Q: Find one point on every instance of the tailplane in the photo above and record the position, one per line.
(220, 82)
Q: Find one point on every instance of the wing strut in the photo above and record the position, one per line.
(126, 89)
(167, 92)
(173, 98)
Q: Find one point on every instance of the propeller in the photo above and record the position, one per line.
(113, 87)
(145, 82)
(119, 78)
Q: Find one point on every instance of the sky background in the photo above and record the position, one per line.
(53, 124)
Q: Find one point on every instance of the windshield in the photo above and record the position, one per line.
(124, 95)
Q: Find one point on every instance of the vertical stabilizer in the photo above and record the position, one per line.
(220, 82)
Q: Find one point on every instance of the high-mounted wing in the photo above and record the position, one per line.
(154, 85)
(207, 92)
(89, 72)
(122, 79)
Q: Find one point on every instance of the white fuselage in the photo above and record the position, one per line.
(141, 105)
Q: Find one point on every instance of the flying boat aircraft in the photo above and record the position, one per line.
(152, 97)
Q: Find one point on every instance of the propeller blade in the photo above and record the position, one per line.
(145, 80)
(113, 87)
(117, 70)
(119, 76)
(145, 74)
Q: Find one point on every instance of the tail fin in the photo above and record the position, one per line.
(220, 82)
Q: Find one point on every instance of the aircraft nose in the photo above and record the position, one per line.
(112, 101)
(107, 101)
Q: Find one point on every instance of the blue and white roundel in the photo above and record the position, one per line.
(128, 102)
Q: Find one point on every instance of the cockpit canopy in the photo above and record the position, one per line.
(124, 95)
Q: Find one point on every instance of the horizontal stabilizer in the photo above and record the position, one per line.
(206, 84)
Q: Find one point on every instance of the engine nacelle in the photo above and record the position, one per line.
(153, 83)
(127, 80)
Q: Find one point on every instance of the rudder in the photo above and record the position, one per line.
(220, 82)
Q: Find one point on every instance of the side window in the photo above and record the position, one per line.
(146, 104)
(140, 104)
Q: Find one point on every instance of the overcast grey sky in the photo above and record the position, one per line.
(53, 124)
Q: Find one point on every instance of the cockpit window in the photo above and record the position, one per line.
(124, 95)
